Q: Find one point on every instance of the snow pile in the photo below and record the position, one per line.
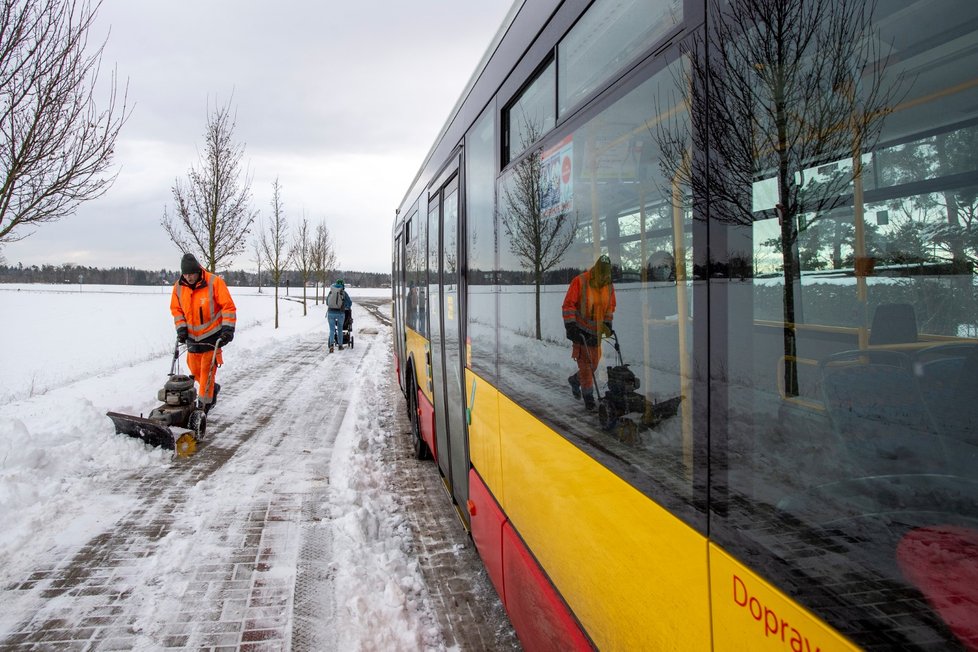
(369, 535)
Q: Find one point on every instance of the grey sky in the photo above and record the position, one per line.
(339, 100)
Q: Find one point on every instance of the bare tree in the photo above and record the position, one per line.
(788, 86)
(324, 256)
(274, 240)
(538, 238)
(302, 256)
(56, 145)
(257, 249)
(213, 214)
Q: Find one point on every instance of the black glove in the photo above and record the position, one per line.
(182, 335)
(227, 334)
(572, 333)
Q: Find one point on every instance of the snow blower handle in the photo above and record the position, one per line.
(176, 357)
(613, 338)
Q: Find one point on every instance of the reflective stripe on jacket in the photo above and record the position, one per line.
(588, 307)
(203, 308)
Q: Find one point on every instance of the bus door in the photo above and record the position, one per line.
(398, 283)
(447, 340)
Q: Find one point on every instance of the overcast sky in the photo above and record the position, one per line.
(339, 100)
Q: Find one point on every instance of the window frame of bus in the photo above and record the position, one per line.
(568, 100)
(482, 359)
(691, 509)
(824, 578)
(547, 67)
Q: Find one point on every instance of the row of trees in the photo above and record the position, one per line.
(56, 147)
(71, 273)
(213, 217)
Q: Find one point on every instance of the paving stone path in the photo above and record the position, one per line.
(256, 573)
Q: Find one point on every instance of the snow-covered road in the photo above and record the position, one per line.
(297, 525)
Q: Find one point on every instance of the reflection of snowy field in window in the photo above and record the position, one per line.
(534, 373)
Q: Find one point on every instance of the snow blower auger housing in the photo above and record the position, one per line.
(178, 424)
(622, 400)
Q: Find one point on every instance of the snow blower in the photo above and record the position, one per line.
(179, 423)
(622, 400)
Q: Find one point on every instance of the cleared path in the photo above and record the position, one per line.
(235, 548)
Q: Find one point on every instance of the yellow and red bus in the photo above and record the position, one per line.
(782, 449)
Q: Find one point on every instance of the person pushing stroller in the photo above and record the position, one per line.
(338, 302)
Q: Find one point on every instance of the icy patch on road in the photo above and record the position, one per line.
(378, 584)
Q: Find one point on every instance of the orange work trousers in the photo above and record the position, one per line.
(587, 358)
(203, 368)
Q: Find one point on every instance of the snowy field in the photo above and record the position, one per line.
(58, 334)
(71, 355)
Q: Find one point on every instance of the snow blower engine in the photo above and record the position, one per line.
(179, 423)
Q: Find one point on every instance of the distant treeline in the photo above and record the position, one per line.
(130, 276)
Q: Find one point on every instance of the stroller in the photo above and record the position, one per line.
(621, 399)
(347, 338)
(344, 330)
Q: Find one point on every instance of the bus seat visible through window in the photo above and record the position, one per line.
(894, 323)
(878, 413)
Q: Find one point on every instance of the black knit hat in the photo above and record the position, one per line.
(189, 265)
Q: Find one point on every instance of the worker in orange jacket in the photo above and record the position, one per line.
(588, 309)
(205, 317)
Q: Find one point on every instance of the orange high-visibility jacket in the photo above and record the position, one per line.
(203, 308)
(588, 307)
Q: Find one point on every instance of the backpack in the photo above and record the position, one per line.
(334, 300)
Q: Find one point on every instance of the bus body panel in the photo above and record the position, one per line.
(482, 403)
(426, 417)
(602, 542)
(750, 614)
(487, 519)
(539, 616)
(417, 350)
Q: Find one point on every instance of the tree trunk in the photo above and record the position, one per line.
(539, 282)
(959, 262)
(276, 304)
(788, 238)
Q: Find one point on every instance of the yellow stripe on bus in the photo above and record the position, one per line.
(417, 348)
(750, 614)
(633, 574)
(484, 430)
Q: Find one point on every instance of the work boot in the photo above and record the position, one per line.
(330, 348)
(341, 347)
(575, 386)
(588, 401)
(217, 389)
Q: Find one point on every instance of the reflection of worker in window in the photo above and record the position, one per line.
(589, 307)
(661, 267)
